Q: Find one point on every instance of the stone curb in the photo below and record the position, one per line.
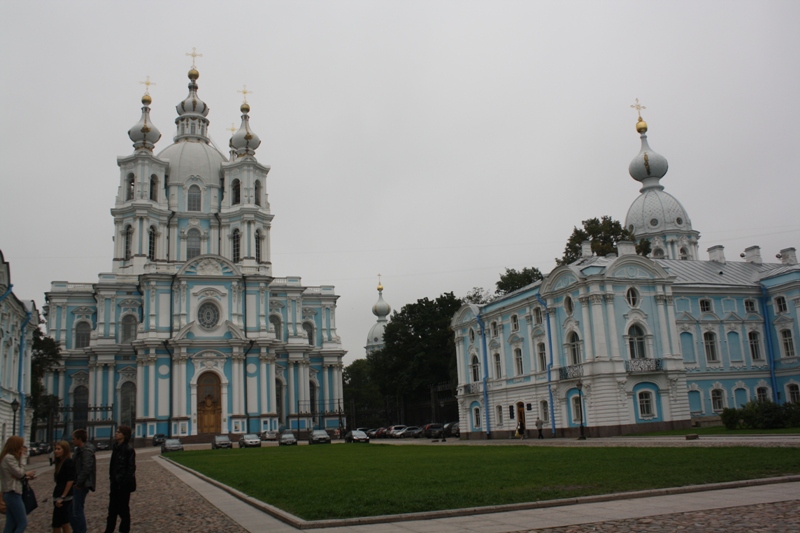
(299, 523)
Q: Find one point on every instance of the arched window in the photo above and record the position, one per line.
(129, 187)
(154, 188)
(258, 245)
(717, 400)
(80, 407)
(577, 409)
(499, 414)
(82, 331)
(636, 342)
(471, 335)
(545, 411)
(780, 305)
(569, 305)
(761, 394)
(542, 353)
(476, 417)
(257, 192)
(794, 392)
(787, 342)
(128, 243)
(574, 346)
(646, 404)
(192, 244)
(193, 203)
(151, 243)
(235, 242)
(494, 329)
(309, 329)
(755, 345)
(537, 316)
(276, 324)
(236, 193)
(514, 323)
(658, 253)
(684, 254)
(518, 361)
(632, 297)
(710, 345)
(475, 367)
(128, 328)
(498, 368)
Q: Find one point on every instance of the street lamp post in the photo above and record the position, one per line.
(579, 385)
(15, 408)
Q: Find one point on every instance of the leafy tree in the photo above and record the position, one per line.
(516, 279)
(478, 296)
(46, 356)
(362, 394)
(604, 233)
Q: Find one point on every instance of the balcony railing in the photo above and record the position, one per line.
(634, 366)
(570, 372)
(472, 388)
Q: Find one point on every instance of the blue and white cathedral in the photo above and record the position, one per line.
(625, 343)
(191, 333)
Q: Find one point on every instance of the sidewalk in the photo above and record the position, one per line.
(752, 497)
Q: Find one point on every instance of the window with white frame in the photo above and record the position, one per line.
(542, 353)
(236, 192)
(684, 254)
(658, 253)
(151, 243)
(154, 188)
(710, 345)
(787, 342)
(636, 342)
(277, 326)
(494, 329)
(761, 394)
(717, 400)
(471, 335)
(476, 417)
(309, 329)
(498, 369)
(192, 243)
(646, 404)
(499, 412)
(574, 348)
(128, 243)
(193, 200)
(518, 361)
(514, 323)
(128, 328)
(705, 306)
(754, 339)
(632, 297)
(569, 305)
(258, 245)
(544, 411)
(793, 392)
(257, 192)
(129, 185)
(750, 306)
(577, 409)
(780, 305)
(537, 315)
(476, 369)
(236, 246)
(82, 331)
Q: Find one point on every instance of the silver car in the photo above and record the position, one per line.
(171, 445)
(249, 440)
(287, 439)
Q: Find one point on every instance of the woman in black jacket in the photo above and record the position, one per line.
(122, 474)
(64, 476)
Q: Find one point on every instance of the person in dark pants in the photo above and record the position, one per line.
(122, 474)
(85, 475)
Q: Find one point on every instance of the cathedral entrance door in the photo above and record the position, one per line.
(209, 404)
(521, 417)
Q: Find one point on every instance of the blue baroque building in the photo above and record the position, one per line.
(625, 343)
(191, 334)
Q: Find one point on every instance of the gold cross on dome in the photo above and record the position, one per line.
(194, 56)
(147, 83)
(232, 129)
(638, 107)
(244, 93)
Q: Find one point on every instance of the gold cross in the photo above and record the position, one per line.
(638, 107)
(244, 93)
(232, 129)
(194, 55)
(147, 83)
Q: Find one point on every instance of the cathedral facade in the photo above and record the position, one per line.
(625, 343)
(191, 333)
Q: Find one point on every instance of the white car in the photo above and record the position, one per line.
(249, 440)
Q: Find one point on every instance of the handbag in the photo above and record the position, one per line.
(28, 497)
(2, 506)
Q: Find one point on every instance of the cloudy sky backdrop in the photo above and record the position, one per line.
(434, 142)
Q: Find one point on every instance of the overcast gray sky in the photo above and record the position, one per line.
(432, 142)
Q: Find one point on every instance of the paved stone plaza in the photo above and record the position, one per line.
(169, 499)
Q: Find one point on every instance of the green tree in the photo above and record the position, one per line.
(46, 355)
(604, 233)
(516, 279)
(362, 395)
(478, 296)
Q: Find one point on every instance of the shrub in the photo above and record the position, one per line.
(730, 418)
(791, 414)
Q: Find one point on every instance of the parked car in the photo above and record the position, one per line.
(250, 440)
(269, 435)
(102, 445)
(171, 445)
(455, 430)
(356, 436)
(158, 438)
(396, 431)
(412, 432)
(221, 441)
(448, 429)
(287, 439)
(371, 432)
(319, 436)
(433, 430)
(380, 433)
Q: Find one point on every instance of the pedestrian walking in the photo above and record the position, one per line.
(11, 474)
(64, 476)
(122, 474)
(85, 475)
(539, 426)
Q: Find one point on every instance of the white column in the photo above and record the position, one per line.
(612, 326)
(151, 363)
(111, 388)
(61, 391)
(587, 329)
(140, 389)
(673, 330)
(601, 347)
(262, 389)
(290, 392)
(92, 387)
(661, 312)
(182, 386)
(273, 401)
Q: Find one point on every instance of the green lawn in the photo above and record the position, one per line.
(345, 481)
(720, 430)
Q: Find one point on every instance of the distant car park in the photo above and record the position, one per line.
(319, 436)
(171, 445)
(356, 436)
(432, 430)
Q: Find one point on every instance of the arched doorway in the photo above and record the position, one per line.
(312, 389)
(279, 402)
(209, 404)
(521, 418)
(127, 404)
(80, 408)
